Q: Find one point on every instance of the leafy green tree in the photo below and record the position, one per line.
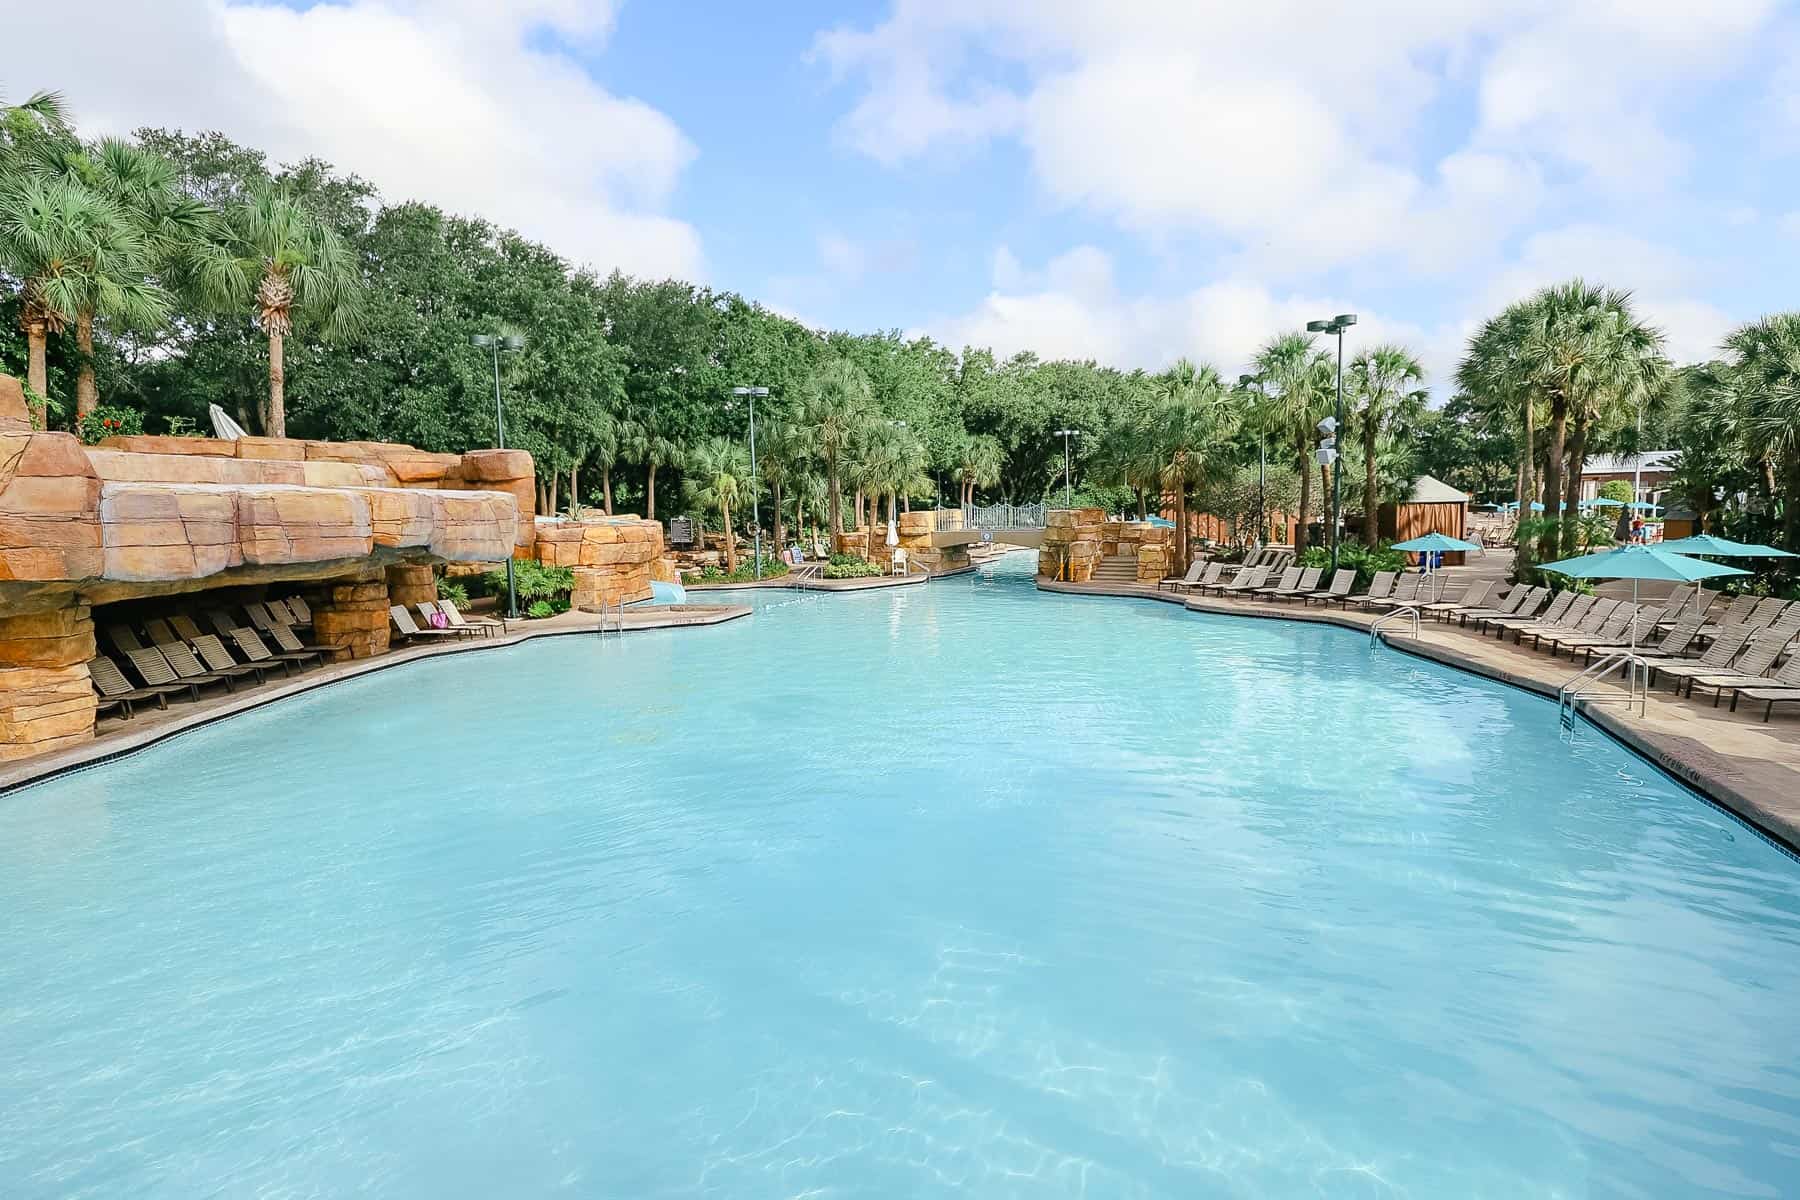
(836, 402)
(718, 477)
(1190, 424)
(1387, 397)
(1297, 388)
(288, 259)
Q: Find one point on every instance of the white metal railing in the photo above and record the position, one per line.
(997, 517)
(1405, 610)
(1578, 688)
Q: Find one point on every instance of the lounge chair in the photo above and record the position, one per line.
(1309, 582)
(288, 613)
(1561, 605)
(1716, 661)
(1758, 612)
(1755, 667)
(1289, 582)
(217, 658)
(1244, 581)
(1341, 583)
(156, 671)
(1575, 618)
(409, 628)
(292, 648)
(487, 625)
(1783, 687)
(116, 690)
(252, 647)
(1219, 584)
(1192, 577)
(1380, 588)
(1613, 626)
(223, 623)
(429, 609)
(1635, 636)
(123, 637)
(298, 607)
(1521, 604)
(1474, 596)
(1405, 594)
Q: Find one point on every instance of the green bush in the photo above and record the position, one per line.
(855, 568)
(453, 591)
(109, 420)
(532, 581)
(1617, 489)
(1354, 554)
(540, 609)
(772, 568)
(845, 560)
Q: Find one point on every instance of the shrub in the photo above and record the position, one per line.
(540, 609)
(845, 560)
(109, 420)
(855, 568)
(453, 591)
(1617, 489)
(532, 581)
(1354, 554)
(772, 568)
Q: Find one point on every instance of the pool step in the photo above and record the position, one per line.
(1116, 568)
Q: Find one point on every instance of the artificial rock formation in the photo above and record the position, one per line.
(351, 620)
(1072, 543)
(612, 557)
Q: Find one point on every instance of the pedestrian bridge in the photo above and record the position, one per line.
(1010, 524)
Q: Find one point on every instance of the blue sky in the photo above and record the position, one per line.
(1128, 181)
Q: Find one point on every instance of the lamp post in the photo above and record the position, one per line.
(1254, 384)
(512, 343)
(1065, 435)
(751, 393)
(1328, 454)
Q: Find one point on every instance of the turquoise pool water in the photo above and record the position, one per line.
(953, 891)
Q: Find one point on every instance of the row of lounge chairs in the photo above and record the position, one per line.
(455, 624)
(173, 655)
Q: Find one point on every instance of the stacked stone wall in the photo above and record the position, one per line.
(47, 700)
(351, 620)
(1072, 543)
(614, 558)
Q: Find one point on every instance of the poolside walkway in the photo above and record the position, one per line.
(1734, 759)
(115, 736)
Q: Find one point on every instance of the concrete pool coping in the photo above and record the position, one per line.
(153, 725)
(865, 584)
(1735, 761)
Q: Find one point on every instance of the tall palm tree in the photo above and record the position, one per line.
(1297, 387)
(1495, 374)
(294, 261)
(77, 253)
(979, 461)
(1190, 423)
(644, 441)
(1385, 387)
(835, 401)
(1765, 369)
(783, 456)
(718, 477)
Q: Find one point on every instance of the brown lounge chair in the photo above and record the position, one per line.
(1716, 661)
(1753, 667)
(116, 690)
(256, 650)
(1380, 588)
(429, 609)
(1190, 579)
(1783, 687)
(409, 628)
(1309, 583)
(180, 653)
(1474, 596)
(488, 625)
(1341, 583)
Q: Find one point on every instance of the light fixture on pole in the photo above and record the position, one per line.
(1065, 435)
(512, 343)
(1336, 325)
(751, 393)
(1252, 383)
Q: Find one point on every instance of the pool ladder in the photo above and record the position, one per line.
(1637, 686)
(617, 612)
(1405, 610)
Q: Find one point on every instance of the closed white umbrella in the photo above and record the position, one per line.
(223, 425)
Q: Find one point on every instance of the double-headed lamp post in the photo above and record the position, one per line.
(512, 343)
(1252, 383)
(1065, 435)
(1331, 426)
(751, 393)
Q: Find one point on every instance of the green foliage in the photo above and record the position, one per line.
(532, 581)
(109, 421)
(1617, 489)
(772, 568)
(452, 590)
(847, 566)
(540, 609)
(1366, 559)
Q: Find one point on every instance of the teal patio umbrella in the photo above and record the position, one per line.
(1637, 563)
(1718, 547)
(1433, 543)
(1606, 502)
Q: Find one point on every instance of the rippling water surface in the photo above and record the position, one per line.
(959, 891)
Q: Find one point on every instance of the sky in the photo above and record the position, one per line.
(1130, 182)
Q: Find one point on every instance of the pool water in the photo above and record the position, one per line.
(955, 890)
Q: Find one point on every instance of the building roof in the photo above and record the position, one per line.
(1624, 464)
(1435, 491)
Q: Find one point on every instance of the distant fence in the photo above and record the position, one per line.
(1003, 516)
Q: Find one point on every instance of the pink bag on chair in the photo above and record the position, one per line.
(439, 620)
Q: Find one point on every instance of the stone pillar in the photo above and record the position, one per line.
(352, 622)
(46, 697)
(504, 471)
(411, 585)
(1071, 546)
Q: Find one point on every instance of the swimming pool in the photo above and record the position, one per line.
(952, 890)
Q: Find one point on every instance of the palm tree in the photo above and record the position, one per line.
(1495, 375)
(1384, 386)
(836, 398)
(1297, 386)
(644, 441)
(1190, 422)
(979, 461)
(718, 476)
(1765, 371)
(77, 253)
(784, 453)
(297, 263)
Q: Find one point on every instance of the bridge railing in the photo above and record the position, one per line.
(1003, 516)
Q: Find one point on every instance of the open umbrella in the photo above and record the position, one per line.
(1718, 547)
(1433, 543)
(1636, 563)
(1606, 502)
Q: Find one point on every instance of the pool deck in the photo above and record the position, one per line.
(1735, 760)
(116, 736)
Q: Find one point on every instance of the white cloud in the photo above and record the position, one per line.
(1291, 129)
(455, 103)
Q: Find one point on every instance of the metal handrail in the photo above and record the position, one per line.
(992, 517)
(1637, 686)
(1404, 610)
